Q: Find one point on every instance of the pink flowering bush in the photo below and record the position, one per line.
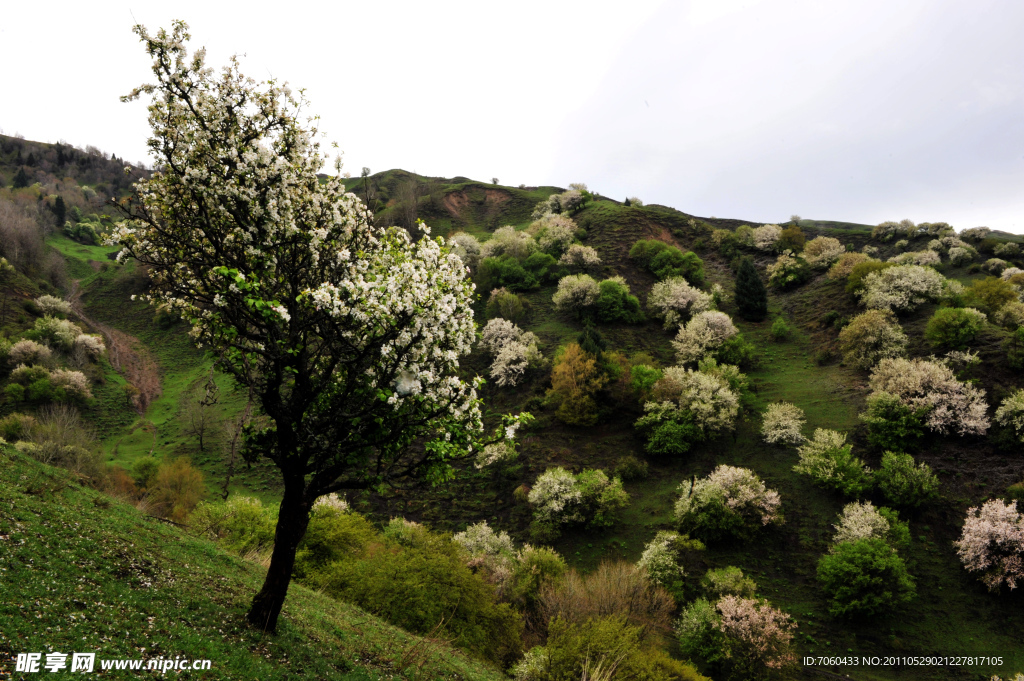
(924, 385)
(757, 633)
(992, 543)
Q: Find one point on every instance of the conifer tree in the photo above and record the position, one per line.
(751, 296)
(20, 179)
(60, 210)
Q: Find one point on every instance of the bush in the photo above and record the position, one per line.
(952, 328)
(645, 250)
(758, 636)
(730, 501)
(1011, 315)
(424, 586)
(751, 295)
(904, 484)
(631, 468)
(576, 294)
(1009, 415)
(241, 524)
(901, 288)
(727, 581)
(507, 305)
(952, 406)
(830, 463)
(51, 305)
(615, 304)
(737, 351)
(788, 271)
(864, 578)
(893, 425)
(1014, 346)
(822, 251)
(505, 272)
(575, 379)
(923, 258)
(672, 262)
(992, 543)
(959, 256)
(766, 237)
(689, 406)
(870, 337)
(990, 294)
(334, 533)
(780, 330)
(580, 258)
(28, 352)
(543, 267)
(703, 335)
(513, 349)
(554, 233)
(843, 267)
(861, 520)
(782, 423)
(176, 489)
(561, 498)
(859, 272)
(14, 427)
(791, 238)
(59, 334)
(660, 560)
(507, 241)
(674, 300)
(467, 248)
(642, 379)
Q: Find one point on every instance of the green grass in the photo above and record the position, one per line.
(84, 573)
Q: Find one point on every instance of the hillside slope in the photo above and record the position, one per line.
(80, 572)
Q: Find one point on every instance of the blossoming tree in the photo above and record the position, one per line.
(347, 336)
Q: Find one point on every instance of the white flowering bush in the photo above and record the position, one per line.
(901, 288)
(580, 258)
(787, 270)
(729, 501)
(829, 461)
(901, 245)
(923, 258)
(91, 345)
(467, 248)
(660, 559)
(995, 265)
(960, 256)
(347, 335)
(480, 541)
(1010, 272)
(702, 335)
(861, 520)
(919, 384)
(766, 236)
(561, 498)
(1010, 414)
(331, 503)
(937, 246)
(74, 383)
(673, 300)
(576, 293)
(59, 334)
(513, 349)
(845, 264)
(870, 337)
(494, 453)
(869, 250)
(992, 543)
(28, 352)
(52, 305)
(886, 231)
(702, 399)
(554, 233)
(820, 252)
(508, 241)
(975, 233)
(782, 423)
(1009, 249)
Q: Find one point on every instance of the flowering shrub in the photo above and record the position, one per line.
(766, 236)
(74, 383)
(869, 250)
(920, 384)
(726, 502)
(923, 258)
(483, 545)
(1008, 249)
(992, 543)
(864, 577)
(758, 634)
(781, 424)
(674, 299)
(861, 520)
(903, 287)
(829, 461)
(960, 256)
(954, 327)
(822, 251)
(788, 270)
(1010, 414)
(467, 248)
(728, 581)
(92, 346)
(995, 265)
(702, 335)
(576, 294)
(495, 452)
(508, 241)
(845, 264)
(901, 245)
(580, 258)
(52, 305)
(872, 336)
(1010, 273)
(885, 231)
(905, 484)
(975, 233)
(28, 352)
(590, 497)
(554, 233)
(691, 406)
(660, 559)
(59, 334)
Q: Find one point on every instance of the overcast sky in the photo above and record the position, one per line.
(859, 110)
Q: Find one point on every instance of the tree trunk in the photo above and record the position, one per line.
(291, 526)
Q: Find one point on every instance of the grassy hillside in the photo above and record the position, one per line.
(85, 573)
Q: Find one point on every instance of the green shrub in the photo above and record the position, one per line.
(725, 581)
(615, 304)
(645, 250)
(14, 393)
(780, 330)
(537, 566)
(14, 427)
(505, 271)
(669, 432)
(953, 328)
(332, 535)
(241, 524)
(891, 424)
(507, 305)
(737, 352)
(751, 294)
(145, 470)
(830, 462)
(1014, 346)
(788, 271)
(791, 238)
(855, 280)
(176, 489)
(543, 267)
(699, 634)
(631, 468)
(642, 378)
(864, 578)
(672, 262)
(427, 589)
(906, 484)
(990, 294)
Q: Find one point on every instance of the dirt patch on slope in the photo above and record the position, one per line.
(455, 202)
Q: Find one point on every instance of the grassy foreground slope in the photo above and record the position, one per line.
(80, 572)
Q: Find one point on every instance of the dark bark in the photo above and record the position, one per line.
(291, 527)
